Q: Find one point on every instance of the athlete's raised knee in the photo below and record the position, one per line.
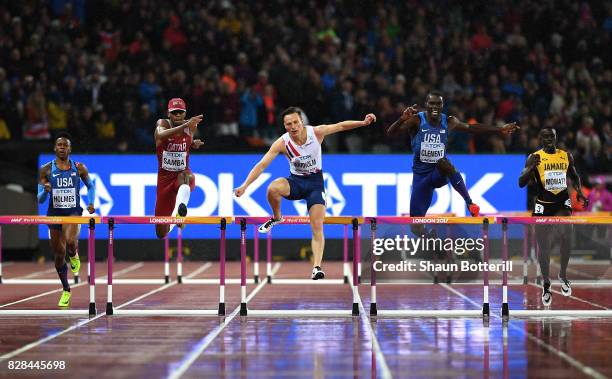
(445, 167)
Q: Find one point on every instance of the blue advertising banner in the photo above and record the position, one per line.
(356, 185)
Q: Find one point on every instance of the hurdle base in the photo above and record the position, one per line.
(373, 309)
(92, 309)
(256, 279)
(346, 279)
(221, 311)
(359, 279)
(109, 308)
(525, 280)
(88, 279)
(76, 279)
(243, 309)
(0, 279)
(355, 309)
(179, 279)
(269, 279)
(505, 310)
(435, 279)
(167, 279)
(449, 279)
(485, 310)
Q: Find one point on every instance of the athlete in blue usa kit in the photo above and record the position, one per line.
(61, 179)
(431, 168)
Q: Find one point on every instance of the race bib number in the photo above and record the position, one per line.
(174, 160)
(539, 209)
(431, 152)
(554, 180)
(64, 198)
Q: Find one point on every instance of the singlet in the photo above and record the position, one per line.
(304, 159)
(173, 152)
(65, 185)
(551, 176)
(429, 144)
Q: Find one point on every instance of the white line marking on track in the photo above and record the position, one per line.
(587, 370)
(380, 357)
(79, 324)
(127, 269)
(201, 345)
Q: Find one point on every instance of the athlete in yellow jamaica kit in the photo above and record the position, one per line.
(548, 169)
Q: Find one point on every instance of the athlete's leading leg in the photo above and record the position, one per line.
(71, 236)
(58, 245)
(446, 168)
(543, 234)
(278, 189)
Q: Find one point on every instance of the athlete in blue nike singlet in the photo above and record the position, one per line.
(60, 181)
(431, 168)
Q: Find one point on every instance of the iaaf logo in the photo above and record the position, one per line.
(16, 219)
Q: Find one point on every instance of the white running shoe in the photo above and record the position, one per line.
(266, 226)
(317, 273)
(546, 295)
(566, 288)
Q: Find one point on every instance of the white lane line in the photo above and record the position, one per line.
(36, 274)
(201, 345)
(79, 324)
(587, 370)
(127, 269)
(380, 357)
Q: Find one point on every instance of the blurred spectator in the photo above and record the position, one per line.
(537, 63)
(600, 199)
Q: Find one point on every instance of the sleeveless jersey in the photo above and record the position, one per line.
(304, 159)
(65, 185)
(429, 144)
(173, 152)
(551, 176)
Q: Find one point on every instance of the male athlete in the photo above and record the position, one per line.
(302, 147)
(548, 169)
(431, 168)
(175, 181)
(60, 178)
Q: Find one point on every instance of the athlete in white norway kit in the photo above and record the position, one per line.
(302, 147)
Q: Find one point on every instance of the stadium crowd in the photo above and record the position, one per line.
(104, 70)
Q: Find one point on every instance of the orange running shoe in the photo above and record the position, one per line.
(474, 209)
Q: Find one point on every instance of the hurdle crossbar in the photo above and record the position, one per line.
(222, 221)
(374, 311)
(293, 220)
(46, 220)
(299, 220)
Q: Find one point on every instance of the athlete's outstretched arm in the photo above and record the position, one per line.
(527, 174)
(44, 187)
(576, 182)
(405, 123)
(91, 188)
(324, 130)
(162, 132)
(454, 123)
(276, 148)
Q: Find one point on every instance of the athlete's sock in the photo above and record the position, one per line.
(62, 272)
(458, 184)
(182, 197)
(70, 251)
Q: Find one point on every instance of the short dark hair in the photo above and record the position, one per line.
(549, 128)
(434, 93)
(291, 110)
(65, 135)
